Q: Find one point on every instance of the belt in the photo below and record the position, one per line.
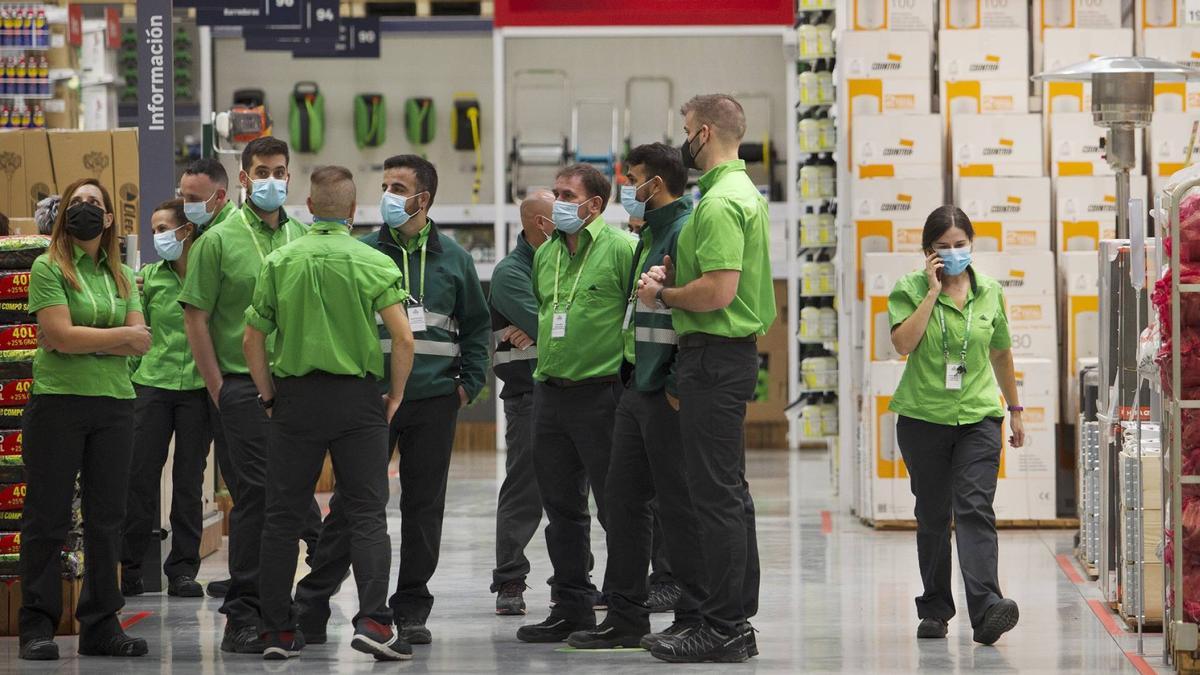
(693, 340)
(560, 383)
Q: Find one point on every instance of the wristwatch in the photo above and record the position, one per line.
(265, 404)
(1015, 408)
(659, 298)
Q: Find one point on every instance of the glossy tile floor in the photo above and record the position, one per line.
(836, 597)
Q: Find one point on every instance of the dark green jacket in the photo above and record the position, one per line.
(512, 304)
(454, 348)
(654, 335)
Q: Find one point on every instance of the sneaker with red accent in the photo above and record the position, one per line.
(281, 645)
(378, 640)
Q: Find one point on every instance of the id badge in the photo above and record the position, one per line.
(416, 318)
(558, 327)
(628, 316)
(954, 376)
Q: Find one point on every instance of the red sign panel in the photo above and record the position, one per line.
(75, 25)
(10, 443)
(15, 392)
(10, 543)
(112, 28)
(18, 337)
(12, 496)
(14, 285)
(644, 13)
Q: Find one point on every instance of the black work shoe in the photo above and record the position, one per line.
(39, 649)
(413, 632)
(999, 619)
(553, 629)
(119, 644)
(510, 600)
(314, 635)
(703, 645)
(219, 589)
(605, 636)
(663, 597)
(931, 629)
(185, 587)
(281, 645)
(376, 639)
(242, 640)
(132, 584)
(751, 642)
(675, 630)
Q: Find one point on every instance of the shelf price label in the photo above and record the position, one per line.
(18, 337)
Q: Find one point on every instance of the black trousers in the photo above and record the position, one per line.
(715, 382)
(952, 471)
(425, 431)
(159, 415)
(304, 425)
(660, 566)
(572, 443)
(647, 466)
(519, 506)
(62, 436)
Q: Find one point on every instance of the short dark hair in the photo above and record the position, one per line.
(175, 206)
(210, 167)
(427, 178)
(593, 181)
(722, 112)
(332, 188)
(265, 146)
(942, 219)
(664, 161)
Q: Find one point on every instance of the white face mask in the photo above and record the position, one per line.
(168, 246)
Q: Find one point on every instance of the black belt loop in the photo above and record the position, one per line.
(694, 340)
(561, 383)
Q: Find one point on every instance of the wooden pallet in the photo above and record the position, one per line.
(484, 9)
(1187, 663)
(1151, 624)
(10, 606)
(1050, 524)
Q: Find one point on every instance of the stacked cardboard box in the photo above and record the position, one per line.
(1147, 501)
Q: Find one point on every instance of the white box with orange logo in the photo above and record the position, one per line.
(887, 73)
(1177, 45)
(972, 14)
(1085, 210)
(1065, 47)
(996, 145)
(1156, 14)
(983, 72)
(891, 492)
(1009, 214)
(1168, 139)
(889, 215)
(1027, 278)
(1077, 146)
(1079, 273)
(881, 271)
(905, 146)
(1070, 15)
(1026, 486)
(905, 15)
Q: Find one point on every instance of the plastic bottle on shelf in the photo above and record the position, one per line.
(809, 134)
(827, 322)
(26, 117)
(827, 178)
(826, 132)
(810, 322)
(22, 76)
(810, 184)
(809, 236)
(809, 92)
(829, 416)
(807, 34)
(39, 118)
(825, 37)
(43, 74)
(41, 30)
(10, 75)
(5, 118)
(824, 78)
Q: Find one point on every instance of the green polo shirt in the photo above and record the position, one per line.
(594, 342)
(219, 217)
(922, 393)
(223, 266)
(96, 304)
(169, 363)
(730, 230)
(319, 296)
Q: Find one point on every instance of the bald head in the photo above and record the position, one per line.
(721, 112)
(332, 194)
(536, 210)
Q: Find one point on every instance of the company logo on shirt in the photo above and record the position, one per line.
(991, 64)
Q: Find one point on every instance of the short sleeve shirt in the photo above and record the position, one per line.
(922, 393)
(169, 363)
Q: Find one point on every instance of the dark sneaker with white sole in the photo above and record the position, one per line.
(605, 636)
(931, 629)
(244, 640)
(378, 640)
(999, 619)
(510, 600)
(663, 597)
(553, 629)
(705, 644)
(39, 649)
(673, 631)
(282, 645)
(413, 632)
(748, 632)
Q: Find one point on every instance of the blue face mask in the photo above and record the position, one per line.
(955, 260)
(393, 209)
(566, 217)
(268, 194)
(197, 212)
(169, 248)
(629, 200)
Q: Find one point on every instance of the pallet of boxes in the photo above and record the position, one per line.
(18, 344)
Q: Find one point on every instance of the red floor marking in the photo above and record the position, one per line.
(1068, 568)
(1140, 664)
(826, 522)
(1106, 618)
(134, 619)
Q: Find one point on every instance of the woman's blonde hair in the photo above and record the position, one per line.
(62, 251)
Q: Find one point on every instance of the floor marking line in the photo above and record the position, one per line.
(826, 522)
(1106, 618)
(1068, 568)
(1140, 664)
(134, 619)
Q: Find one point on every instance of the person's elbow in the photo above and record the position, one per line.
(902, 346)
(254, 341)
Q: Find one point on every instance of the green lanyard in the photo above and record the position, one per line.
(578, 275)
(254, 238)
(420, 299)
(962, 360)
(112, 305)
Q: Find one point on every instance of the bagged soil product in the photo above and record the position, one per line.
(10, 418)
(15, 392)
(10, 521)
(10, 542)
(13, 312)
(20, 337)
(17, 364)
(12, 469)
(19, 252)
(10, 563)
(10, 443)
(14, 285)
(12, 496)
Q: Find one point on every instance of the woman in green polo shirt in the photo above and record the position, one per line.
(79, 420)
(171, 402)
(950, 321)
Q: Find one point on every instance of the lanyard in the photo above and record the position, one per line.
(254, 238)
(637, 265)
(578, 275)
(962, 360)
(420, 300)
(112, 305)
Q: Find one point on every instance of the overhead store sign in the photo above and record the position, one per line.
(643, 12)
(283, 13)
(356, 39)
(319, 22)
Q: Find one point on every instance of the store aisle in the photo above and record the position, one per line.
(837, 597)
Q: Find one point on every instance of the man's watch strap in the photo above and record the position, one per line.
(659, 297)
(265, 404)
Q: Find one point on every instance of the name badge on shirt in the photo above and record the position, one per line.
(954, 375)
(416, 318)
(558, 327)
(628, 316)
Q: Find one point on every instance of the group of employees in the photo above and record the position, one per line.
(627, 364)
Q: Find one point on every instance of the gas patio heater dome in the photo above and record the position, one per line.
(1122, 101)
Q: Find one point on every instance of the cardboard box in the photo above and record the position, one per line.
(1168, 138)
(1152, 599)
(891, 15)
(1085, 210)
(1009, 214)
(996, 145)
(771, 401)
(125, 174)
(82, 154)
(905, 146)
(1077, 147)
(1024, 273)
(1155, 14)
(881, 271)
(39, 169)
(891, 497)
(1079, 14)
(1065, 47)
(12, 175)
(887, 72)
(970, 14)
(977, 55)
(1079, 273)
(1182, 46)
(889, 213)
(22, 226)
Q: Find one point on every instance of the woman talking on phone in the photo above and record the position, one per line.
(950, 321)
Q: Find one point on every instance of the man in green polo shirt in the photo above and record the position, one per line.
(581, 282)
(722, 298)
(320, 297)
(223, 267)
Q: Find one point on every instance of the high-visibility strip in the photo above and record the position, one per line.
(643, 308)
(432, 320)
(658, 336)
(511, 355)
(427, 347)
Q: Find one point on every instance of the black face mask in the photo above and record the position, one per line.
(689, 157)
(85, 221)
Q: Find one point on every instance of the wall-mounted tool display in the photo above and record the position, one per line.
(306, 117)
